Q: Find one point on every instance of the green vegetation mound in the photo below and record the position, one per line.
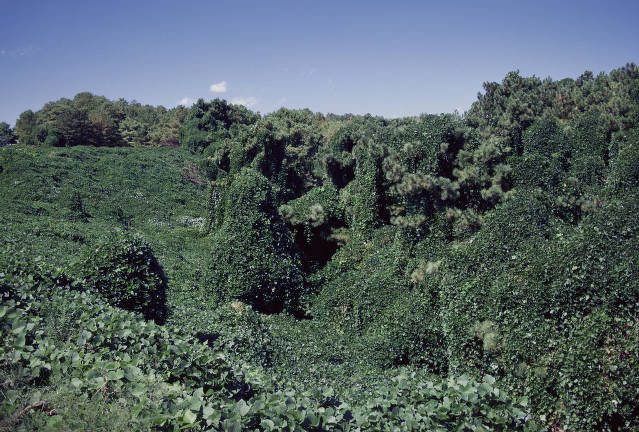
(123, 270)
(253, 259)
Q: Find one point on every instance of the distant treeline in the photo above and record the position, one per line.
(94, 120)
(503, 110)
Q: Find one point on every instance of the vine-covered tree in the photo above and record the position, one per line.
(7, 135)
(212, 122)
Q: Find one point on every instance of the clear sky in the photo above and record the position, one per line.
(386, 58)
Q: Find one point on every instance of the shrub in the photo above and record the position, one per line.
(537, 170)
(253, 257)
(545, 308)
(338, 163)
(589, 135)
(107, 369)
(314, 218)
(625, 167)
(238, 330)
(589, 170)
(545, 137)
(361, 279)
(208, 122)
(409, 333)
(123, 270)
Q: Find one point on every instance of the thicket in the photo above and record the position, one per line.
(369, 274)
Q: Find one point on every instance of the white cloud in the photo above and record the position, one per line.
(218, 87)
(248, 102)
(186, 101)
(27, 51)
(399, 115)
(308, 72)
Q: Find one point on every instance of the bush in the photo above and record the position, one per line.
(253, 257)
(589, 170)
(338, 163)
(123, 270)
(625, 167)
(525, 216)
(107, 369)
(18, 269)
(537, 170)
(589, 136)
(545, 137)
(409, 332)
(314, 218)
(545, 308)
(477, 283)
(159, 377)
(208, 122)
(596, 373)
(238, 330)
(361, 279)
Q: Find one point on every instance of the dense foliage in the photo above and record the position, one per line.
(301, 271)
(211, 123)
(253, 259)
(125, 272)
(94, 120)
(7, 135)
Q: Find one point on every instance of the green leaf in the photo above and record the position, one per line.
(207, 411)
(12, 395)
(242, 407)
(131, 373)
(189, 416)
(20, 340)
(267, 424)
(115, 375)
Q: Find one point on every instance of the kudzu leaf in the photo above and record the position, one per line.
(189, 416)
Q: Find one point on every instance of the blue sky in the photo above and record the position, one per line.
(385, 58)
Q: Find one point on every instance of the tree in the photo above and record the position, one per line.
(123, 270)
(73, 123)
(209, 122)
(105, 126)
(7, 135)
(95, 120)
(253, 257)
(26, 126)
